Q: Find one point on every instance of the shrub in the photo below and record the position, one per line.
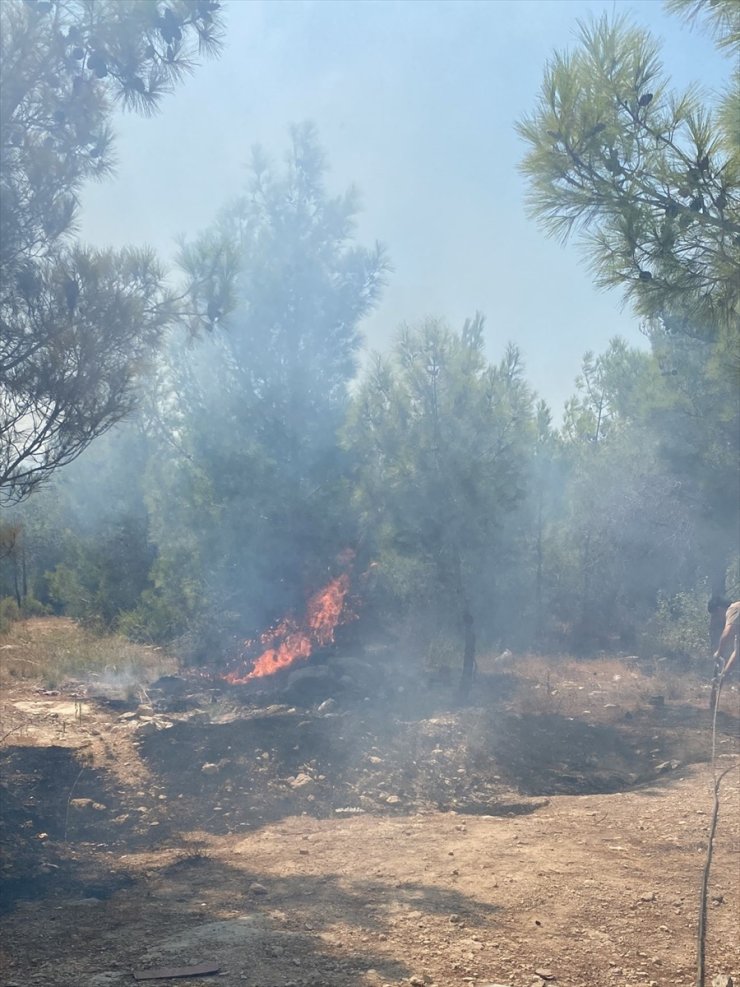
(152, 621)
(9, 612)
(679, 627)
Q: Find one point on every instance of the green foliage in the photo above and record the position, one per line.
(68, 593)
(73, 366)
(152, 621)
(649, 502)
(696, 416)
(650, 181)
(720, 17)
(441, 440)
(85, 548)
(250, 505)
(78, 327)
(679, 626)
(612, 390)
(648, 178)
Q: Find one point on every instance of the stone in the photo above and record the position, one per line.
(81, 803)
(301, 781)
(667, 766)
(210, 769)
(148, 727)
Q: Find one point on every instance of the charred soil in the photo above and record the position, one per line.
(324, 836)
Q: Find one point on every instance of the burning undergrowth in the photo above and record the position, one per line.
(294, 639)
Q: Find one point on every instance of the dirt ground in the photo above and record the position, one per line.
(554, 832)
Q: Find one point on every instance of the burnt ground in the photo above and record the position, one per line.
(318, 832)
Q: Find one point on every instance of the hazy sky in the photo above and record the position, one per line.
(415, 103)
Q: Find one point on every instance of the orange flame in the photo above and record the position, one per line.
(290, 641)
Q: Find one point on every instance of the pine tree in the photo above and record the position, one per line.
(78, 327)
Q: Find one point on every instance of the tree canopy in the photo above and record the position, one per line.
(647, 177)
(253, 404)
(78, 327)
(441, 439)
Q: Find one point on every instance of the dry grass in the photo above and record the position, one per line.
(600, 686)
(53, 650)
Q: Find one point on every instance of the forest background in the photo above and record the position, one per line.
(188, 454)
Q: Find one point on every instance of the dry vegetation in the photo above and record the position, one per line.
(55, 650)
(571, 687)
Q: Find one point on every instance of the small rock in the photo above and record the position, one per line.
(81, 803)
(545, 973)
(667, 766)
(327, 706)
(210, 769)
(301, 780)
(648, 896)
(257, 888)
(149, 727)
(392, 800)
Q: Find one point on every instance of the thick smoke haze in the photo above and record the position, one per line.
(414, 103)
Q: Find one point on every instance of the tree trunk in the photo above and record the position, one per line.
(718, 575)
(17, 578)
(538, 625)
(468, 669)
(24, 571)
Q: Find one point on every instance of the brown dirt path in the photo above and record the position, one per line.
(135, 839)
(596, 890)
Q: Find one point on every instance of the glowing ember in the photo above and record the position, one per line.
(289, 641)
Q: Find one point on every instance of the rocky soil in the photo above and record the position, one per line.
(366, 832)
